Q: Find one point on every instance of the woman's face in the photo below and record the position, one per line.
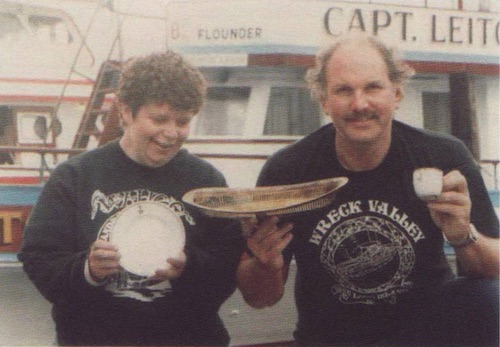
(156, 133)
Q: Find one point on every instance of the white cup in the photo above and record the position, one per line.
(428, 183)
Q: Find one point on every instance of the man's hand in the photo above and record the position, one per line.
(267, 241)
(262, 272)
(104, 260)
(451, 210)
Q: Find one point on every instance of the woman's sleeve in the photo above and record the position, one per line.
(49, 252)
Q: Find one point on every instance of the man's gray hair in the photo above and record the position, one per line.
(398, 70)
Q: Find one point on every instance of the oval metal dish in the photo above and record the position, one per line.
(264, 201)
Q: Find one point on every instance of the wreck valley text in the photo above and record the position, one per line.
(483, 29)
(353, 208)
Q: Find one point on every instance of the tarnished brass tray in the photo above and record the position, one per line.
(264, 201)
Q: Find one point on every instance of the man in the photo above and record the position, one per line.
(371, 267)
(68, 249)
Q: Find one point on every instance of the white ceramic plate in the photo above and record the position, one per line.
(146, 234)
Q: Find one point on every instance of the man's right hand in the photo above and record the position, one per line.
(104, 260)
(266, 241)
(262, 271)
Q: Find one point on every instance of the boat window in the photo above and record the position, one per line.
(224, 111)
(44, 27)
(7, 135)
(29, 124)
(50, 29)
(436, 109)
(9, 25)
(291, 111)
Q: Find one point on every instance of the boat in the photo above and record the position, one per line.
(54, 53)
(371, 258)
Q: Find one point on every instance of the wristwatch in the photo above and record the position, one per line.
(471, 238)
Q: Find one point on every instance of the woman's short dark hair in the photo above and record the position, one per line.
(162, 78)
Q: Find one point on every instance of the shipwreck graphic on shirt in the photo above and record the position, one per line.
(368, 249)
(124, 283)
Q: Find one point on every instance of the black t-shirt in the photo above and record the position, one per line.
(363, 258)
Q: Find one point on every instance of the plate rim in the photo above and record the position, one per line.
(123, 212)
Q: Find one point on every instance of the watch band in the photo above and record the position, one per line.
(471, 238)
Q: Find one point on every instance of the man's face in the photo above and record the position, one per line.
(360, 99)
(155, 135)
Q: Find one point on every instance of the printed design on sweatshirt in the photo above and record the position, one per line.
(124, 283)
(367, 247)
(117, 201)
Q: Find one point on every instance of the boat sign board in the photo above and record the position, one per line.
(301, 27)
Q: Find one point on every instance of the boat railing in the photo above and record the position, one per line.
(489, 168)
(42, 166)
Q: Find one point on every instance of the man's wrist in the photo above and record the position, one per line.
(268, 268)
(470, 239)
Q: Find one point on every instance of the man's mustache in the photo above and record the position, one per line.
(361, 115)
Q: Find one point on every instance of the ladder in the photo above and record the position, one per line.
(105, 86)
